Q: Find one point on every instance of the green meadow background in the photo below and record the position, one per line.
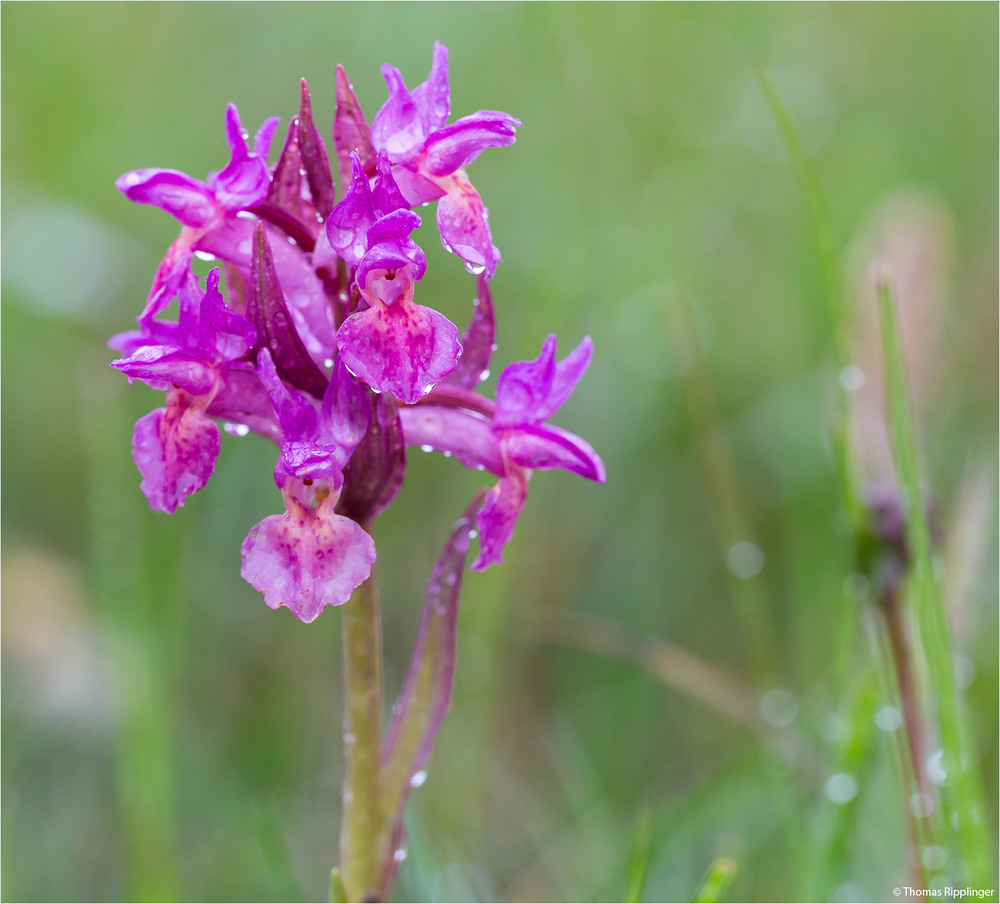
(676, 667)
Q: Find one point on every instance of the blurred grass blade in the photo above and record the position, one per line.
(836, 311)
(426, 693)
(638, 861)
(717, 880)
(338, 894)
(961, 794)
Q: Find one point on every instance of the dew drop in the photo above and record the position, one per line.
(204, 256)
(236, 429)
(477, 270)
(889, 719)
(841, 788)
(965, 671)
(473, 534)
(921, 804)
(485, 375)
(852, 378)
(446, 454)
(935, 768)
(779, 707)
(418, 778)
(426, 447)
(857, 587)
(399, 856)
(328, 363)
(745, 560)
(934, 857)
(349, 738)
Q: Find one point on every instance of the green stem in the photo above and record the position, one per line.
(961, 793)
(362, 835)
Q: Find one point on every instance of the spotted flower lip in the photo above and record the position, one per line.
(429, 157)
(307, 558)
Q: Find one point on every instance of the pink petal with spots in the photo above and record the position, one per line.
(402, 348)
(307, 559)
(175, 449)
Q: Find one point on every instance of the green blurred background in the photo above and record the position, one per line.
(166, 736)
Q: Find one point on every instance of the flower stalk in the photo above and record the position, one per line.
(362, 826)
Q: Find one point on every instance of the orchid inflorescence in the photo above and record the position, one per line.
(319, 344)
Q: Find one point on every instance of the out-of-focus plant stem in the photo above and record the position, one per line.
(362, 830)
(961, 794)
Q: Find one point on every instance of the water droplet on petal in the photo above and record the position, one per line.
(204, 256)
(426, 447)
(485, 375)
(399, 856)
(328, 363)
(236, 429)
(477, 270)
(418, 778)
(473, 534)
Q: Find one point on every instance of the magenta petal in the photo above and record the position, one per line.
(350, 220)
(160, 365)
(397, 126)
(546, 447)
(524, 386)
(190, 201)
(464, 226)
(403, 348)
(455, 431)
(175, 449)
(498, 518)
(458, 144)
(433, 97)
(307, 559)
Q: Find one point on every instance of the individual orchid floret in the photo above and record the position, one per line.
(361, 207)
(316, 440)
(394, 344)
(528, 393)
(310, 556)
(175, 447)
(509, 437)
(430, 157)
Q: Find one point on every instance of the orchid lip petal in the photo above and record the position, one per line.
(307, 559)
